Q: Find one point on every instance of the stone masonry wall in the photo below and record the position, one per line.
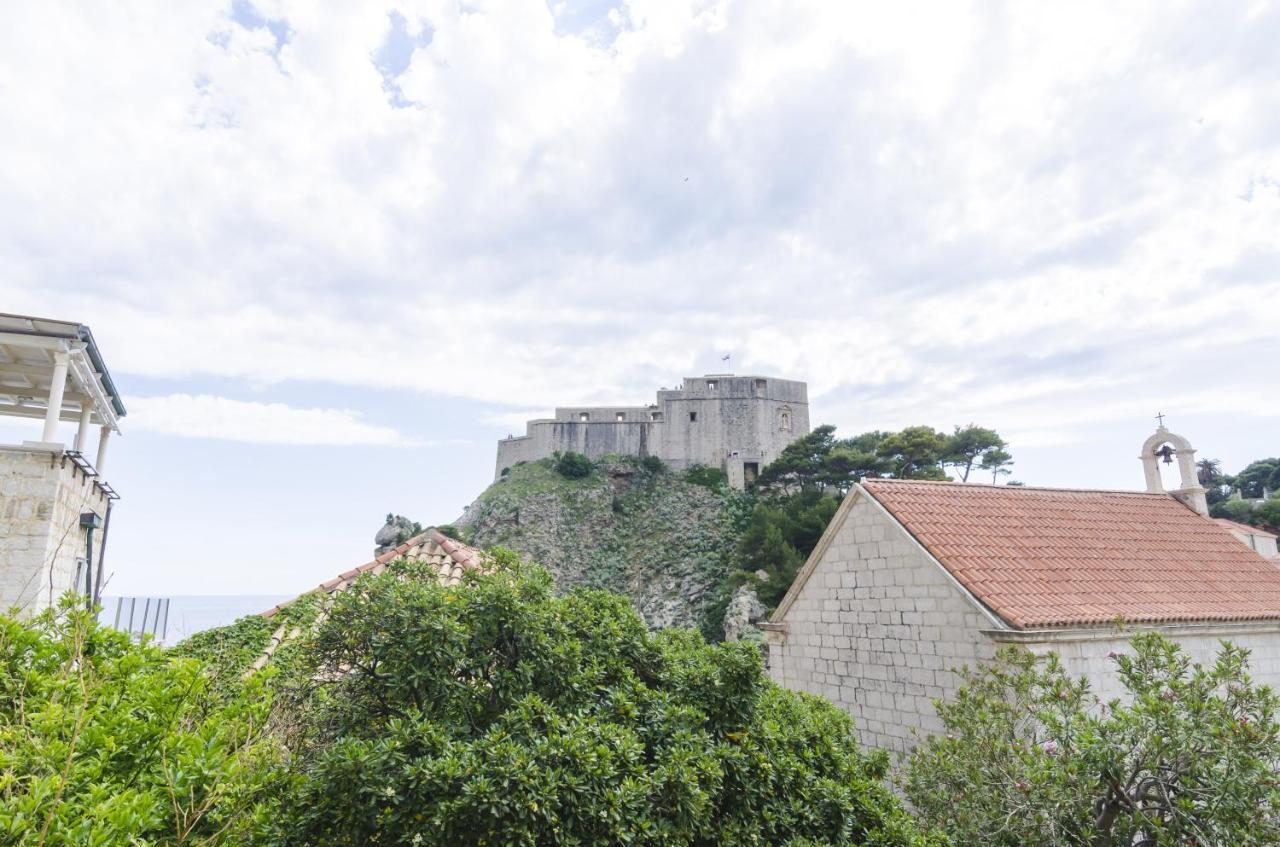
(721, 421)
(879, 630)
(42, 495)
(1086, 653)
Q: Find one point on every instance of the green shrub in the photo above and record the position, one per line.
(1028, 756)
(498, 713)
(450, 531)
(706, 476)
(573, 465)
(653, 464)
(1236, 510)
(105, 742)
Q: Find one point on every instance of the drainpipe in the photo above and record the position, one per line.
(106, 527)
(90, 521)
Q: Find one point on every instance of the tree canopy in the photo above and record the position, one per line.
(498, 713)
(1028, 755)
(798, 494)
(105, 742)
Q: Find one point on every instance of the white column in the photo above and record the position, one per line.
(60, 362)
(1152, 472)
(82, 434)
(102, 449)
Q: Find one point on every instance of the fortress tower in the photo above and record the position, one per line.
(736, 423)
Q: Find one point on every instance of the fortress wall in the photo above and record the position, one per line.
(706, 421)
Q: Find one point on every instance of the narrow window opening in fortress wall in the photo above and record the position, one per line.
(711, 385)
(760, 385)
(584, 417)
(693, 417)
(620, 416)
(655, 416)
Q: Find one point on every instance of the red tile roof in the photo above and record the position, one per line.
(451, 558)
(1046, 557)
(448, 558)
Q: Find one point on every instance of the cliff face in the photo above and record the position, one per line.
(652, 535)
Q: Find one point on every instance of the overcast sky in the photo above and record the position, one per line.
(332, 251)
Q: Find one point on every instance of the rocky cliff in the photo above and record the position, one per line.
(644, 531)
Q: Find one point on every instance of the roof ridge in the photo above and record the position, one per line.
(459, 552)
(879, 480)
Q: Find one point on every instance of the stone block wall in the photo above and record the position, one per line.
(726, 422)
(879, 630)
(42, 495)
(1086, 652)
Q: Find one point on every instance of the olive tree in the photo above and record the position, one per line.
(1188, 756)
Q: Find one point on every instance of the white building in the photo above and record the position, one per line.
(914, 580)
(1257, 539)
(55, 504)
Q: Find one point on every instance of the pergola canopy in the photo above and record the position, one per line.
(35, 352)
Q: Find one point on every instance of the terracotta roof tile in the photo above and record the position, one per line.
(1045, 557)
(451, 558)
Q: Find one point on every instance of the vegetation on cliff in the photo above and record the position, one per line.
(666, 540)
(680, 544)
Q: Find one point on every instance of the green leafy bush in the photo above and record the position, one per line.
(497, 713)
(653, 464)
(707, 477)
(573, 465)
(1189, 757)
(105, 742)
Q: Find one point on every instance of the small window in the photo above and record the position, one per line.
(693, 417)
(620, 416)
(584, 417)
(655, 416)
(711, 385)
(760, 386)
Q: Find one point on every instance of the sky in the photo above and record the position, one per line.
(332, 251)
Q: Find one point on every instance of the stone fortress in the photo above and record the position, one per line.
(738, 424)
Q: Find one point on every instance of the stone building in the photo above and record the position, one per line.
(55, 505)
(736, 423)
(1256, 537)
(913, 580)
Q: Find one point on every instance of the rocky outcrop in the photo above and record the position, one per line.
(397, 530)
(740, 618)
(664, 542)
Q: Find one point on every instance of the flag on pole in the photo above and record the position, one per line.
(725, 357)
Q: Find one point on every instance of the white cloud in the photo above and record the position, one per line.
(515, 421)
(207, 416)
(993, 212)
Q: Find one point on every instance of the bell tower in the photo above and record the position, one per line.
(1167, 446)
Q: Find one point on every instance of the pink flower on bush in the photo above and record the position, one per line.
(1050, 747)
